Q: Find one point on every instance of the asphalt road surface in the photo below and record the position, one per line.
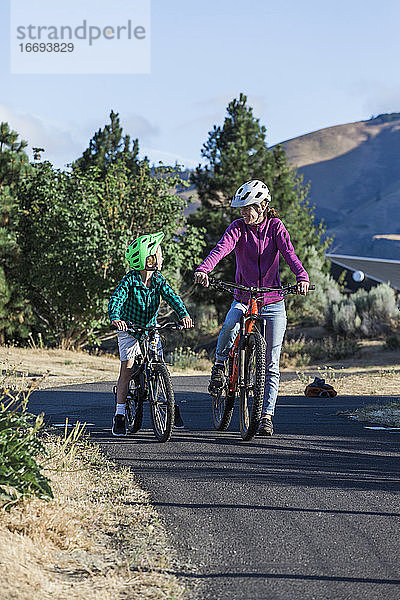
(311, 513)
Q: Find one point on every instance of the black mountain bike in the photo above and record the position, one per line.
(246, 364)
(150, 382)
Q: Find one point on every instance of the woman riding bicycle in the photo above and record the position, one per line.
(137, 299)
(257, 239)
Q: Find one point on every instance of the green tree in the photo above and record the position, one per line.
(73, 231)
(13, 159)
(61, 241)
(15, 313)
(237, 152)
(109, 145)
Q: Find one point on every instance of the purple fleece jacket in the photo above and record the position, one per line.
(257, 250)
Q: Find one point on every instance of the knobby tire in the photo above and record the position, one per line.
(222, 407)
(134, 409)
(252, 392)
(162, 404)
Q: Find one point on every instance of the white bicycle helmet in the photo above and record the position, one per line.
(251, 192)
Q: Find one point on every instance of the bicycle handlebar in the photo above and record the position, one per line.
(229, 286)
(133, 326)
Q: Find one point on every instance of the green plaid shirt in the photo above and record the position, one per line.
(133, 301)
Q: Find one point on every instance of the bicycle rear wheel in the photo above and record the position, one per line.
(162, 404)
(252, 391)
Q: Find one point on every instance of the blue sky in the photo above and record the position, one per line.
(304, 65)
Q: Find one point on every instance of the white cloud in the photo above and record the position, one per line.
(256, 102)
(212, 111)
(134, 125)
(375, 97)
(139, 127)
(61, 146)
(65, 142)
(168, 158)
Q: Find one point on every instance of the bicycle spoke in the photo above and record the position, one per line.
(161, 403)
(251, 395)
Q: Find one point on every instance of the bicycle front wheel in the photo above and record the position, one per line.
(162, 404)
(252, 390)
(134, 412)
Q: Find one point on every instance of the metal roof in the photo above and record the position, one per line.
(382, 270)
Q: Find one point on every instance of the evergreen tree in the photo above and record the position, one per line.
(109, 145)
(238, 152)
(13, 159)
(15, 312)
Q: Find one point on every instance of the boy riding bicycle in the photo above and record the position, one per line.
(137, 299)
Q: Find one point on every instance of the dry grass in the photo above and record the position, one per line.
(367, 381)
(98, 539)
(383, 383)
(23, 366)
(43, 368)
(387, 414)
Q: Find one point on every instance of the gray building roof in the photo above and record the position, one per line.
(382, 270)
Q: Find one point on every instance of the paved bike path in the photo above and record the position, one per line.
(311, 513)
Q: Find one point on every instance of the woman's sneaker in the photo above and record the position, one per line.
(119, 425)
(217, 378)
(178, 423)
(266, 427)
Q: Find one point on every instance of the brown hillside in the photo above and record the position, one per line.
(354, 170)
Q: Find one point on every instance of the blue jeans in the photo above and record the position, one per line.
(274, 330)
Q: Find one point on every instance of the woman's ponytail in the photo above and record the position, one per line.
(272, 213)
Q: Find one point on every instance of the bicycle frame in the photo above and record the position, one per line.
(148, 354)
(236, 354)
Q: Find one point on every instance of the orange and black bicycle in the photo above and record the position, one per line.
(246, 363)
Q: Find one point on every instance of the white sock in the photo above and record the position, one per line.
(120, 410)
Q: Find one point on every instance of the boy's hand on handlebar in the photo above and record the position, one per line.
(302, 287)
(201, 278)
(120, 325)
(187, 322)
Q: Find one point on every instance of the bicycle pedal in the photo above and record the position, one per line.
(144, 395)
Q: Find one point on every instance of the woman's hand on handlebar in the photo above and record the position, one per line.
(302, 287)
(187, 322)
(120, 325)
(201, 278)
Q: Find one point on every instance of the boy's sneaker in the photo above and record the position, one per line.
(178, 423)
(119, 425)
(217, 378)
(266, 427)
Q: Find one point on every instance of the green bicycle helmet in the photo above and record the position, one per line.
(144, 246)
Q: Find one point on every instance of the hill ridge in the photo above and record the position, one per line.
(354, 172)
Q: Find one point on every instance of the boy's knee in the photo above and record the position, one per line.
(125, 373)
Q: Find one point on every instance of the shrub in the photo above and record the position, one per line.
(20, 474)
(306, 351)
(365, 313)
(186, 358)
(314, 307)
(344, 318)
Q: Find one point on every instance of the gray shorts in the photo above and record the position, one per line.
(128, 346)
